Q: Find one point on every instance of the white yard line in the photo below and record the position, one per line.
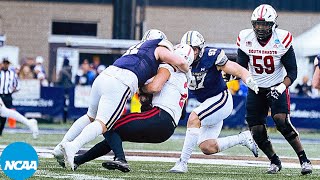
(45, 152)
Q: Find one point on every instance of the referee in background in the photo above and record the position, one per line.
(9, 85)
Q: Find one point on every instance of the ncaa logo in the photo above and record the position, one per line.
(19, 161)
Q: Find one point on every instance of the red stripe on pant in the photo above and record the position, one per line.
(138, 117)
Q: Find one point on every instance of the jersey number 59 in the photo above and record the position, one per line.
(263, 64)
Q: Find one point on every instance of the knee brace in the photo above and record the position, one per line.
(259, 134)
(285, 127)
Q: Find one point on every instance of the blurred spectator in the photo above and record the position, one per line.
(85, 75)
(97, 66)
(65, 75)
(39, 68)
(65, 81)
(304, 89)
(40, 71)
(26, 72)
(100, 69)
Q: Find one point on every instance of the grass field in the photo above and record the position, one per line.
(49, 169)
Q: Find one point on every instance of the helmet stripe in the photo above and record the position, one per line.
(261, 12)
(188, 40)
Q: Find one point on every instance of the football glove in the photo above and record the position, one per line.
(252, 84)
(275, 92)
(190, 77)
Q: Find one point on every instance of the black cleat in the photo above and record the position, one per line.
(119, 164)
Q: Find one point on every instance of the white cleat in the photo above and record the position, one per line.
(58, 155)
(69, 152)
(179, 167)
(306, 168)
(33, 125)
(250, 143)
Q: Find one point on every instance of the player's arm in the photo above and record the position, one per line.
(242, 58)
(235, 69)
(165, 55)
(290, 64)
(316, 76)
(158, 81)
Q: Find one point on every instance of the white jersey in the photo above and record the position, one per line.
(265, 61)
(173, 95)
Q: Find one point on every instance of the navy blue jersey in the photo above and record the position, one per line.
(208, 79)
(140, 60)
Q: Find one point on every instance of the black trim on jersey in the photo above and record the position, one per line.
(290, 64)
(242, 58)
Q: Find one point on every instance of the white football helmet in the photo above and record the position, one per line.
(194, 39)
(185, 51)
(152, 34)
(263, 20)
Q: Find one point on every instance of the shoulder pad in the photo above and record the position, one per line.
(285, 37)
(166, 44)
(221, 58)
(242, 35)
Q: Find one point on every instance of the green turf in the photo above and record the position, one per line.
(49, 169)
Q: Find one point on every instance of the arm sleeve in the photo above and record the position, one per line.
(290, 64)
(242, 58)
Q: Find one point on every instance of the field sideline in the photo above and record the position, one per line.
(152, 161)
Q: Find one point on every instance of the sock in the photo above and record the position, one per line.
(5, 112)
(275, 159)
(89, 133)
(229, 141)
(190, 142)
(76, 128)
(302, 157)
(100, 149)
(115, 144)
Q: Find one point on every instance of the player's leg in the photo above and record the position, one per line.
(153, 126)
(71, 134)
(211, 126)
(100, 149)
(190, 142)
(5, 112)
(205, 109)
(113, 97)
(256, 112)
(280, 110)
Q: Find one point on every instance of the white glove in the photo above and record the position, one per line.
(252, 84)
(275, 92)
(190, 77)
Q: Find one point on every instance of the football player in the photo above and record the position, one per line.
(169, 91)
(207, 85)
(112, 88)
(269, 54)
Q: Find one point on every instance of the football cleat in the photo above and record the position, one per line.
(274, 168)
(58, 155)
(306, 168)
(33, 125)
(120, 164)
(250, 143)
(179, 167)
(68, 152)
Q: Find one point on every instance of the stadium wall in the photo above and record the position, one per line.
(28, 24)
